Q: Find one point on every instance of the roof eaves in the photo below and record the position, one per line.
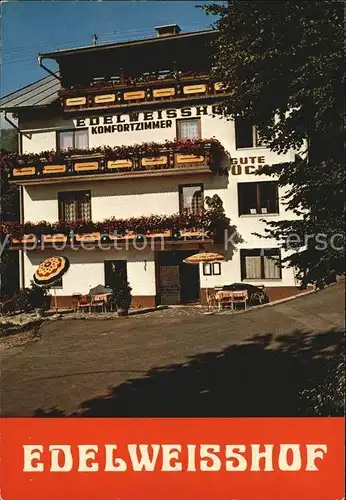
(92, 48)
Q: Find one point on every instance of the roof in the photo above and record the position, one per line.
(40, 93)
(94, 48)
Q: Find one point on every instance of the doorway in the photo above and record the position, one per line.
(115, 271)
(178, 283)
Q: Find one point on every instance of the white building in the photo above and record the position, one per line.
(136, 93)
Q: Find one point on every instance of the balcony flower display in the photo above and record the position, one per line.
(198, 147)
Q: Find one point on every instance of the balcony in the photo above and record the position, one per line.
(120, 91)
(144, 160)
(136, 231)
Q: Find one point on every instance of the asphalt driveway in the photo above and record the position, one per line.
(176, 362)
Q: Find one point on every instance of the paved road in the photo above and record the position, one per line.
(176, 362)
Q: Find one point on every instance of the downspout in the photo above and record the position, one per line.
(11, 123)
(40, 58)
(15, 127)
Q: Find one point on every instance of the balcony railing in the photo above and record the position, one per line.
(124, 92)
(178, 228)
(124, 161)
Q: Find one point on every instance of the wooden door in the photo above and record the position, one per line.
(169, 284)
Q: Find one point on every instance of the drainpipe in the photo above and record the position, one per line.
(40, 59)
(17, 128)
(11, 122)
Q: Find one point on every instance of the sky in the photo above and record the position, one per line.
(31, 27)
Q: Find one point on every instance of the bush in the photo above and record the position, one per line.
(327, 397)
(121, 295)
(27, 299)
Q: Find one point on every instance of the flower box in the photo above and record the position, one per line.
(54, 238)
(25, 239)
(86, 166)
(159, 160)
(194, 89)
(129, 96)
(75, 101)
(128, 236)
(100, 99)
(163, 234)
(192, 234)
(16, 172)
(54, 169)
(164, 92)
(119, 164)
(88, 237)
(189, 159)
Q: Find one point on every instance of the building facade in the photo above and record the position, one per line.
(131, 133)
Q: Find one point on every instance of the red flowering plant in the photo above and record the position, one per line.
(144, 225)
(196, 147)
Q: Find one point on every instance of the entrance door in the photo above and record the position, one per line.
(115, 270)
(178, 282)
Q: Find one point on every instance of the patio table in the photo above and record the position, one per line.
(230, 296)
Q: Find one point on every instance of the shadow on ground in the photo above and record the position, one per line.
(265, 376)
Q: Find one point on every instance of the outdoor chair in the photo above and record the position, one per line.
(75, 301)
(84, 303)
(239, 297)
(98, 301)
(210, 296)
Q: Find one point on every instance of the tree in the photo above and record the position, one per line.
(9, 211)
(283, 64)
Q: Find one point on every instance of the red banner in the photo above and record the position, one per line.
(166, 459)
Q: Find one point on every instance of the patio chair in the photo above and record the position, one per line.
(239, 297)
(210, 296)
(75, 301)
(84, 303)
(98, 301)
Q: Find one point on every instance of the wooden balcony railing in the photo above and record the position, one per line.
(122, 94)
(165, 161)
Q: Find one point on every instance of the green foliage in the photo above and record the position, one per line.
(9, 139)
(219, 225)
(121, 295)
(283, 64)
(326, 396)
(34, 297)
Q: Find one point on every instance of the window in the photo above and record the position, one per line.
(189, 129)
(246, 135)
(191, 198)
(260, 263)
(73, 139)
(115, 270)
(258, 198)
(212, 268)
(74, 205)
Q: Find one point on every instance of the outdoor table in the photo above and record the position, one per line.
(230, 296)
(99, 298)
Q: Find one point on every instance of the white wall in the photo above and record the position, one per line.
(119, 198)
(144, 196)
(36, 142)
(87, 269)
